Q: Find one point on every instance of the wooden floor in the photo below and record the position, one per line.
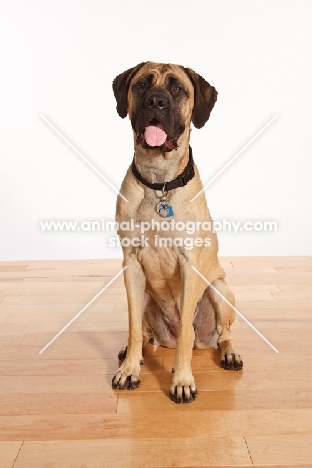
(58, 409)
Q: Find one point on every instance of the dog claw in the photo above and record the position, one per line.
(134, 384)
(231, 361)
(127, 385)
(117, 384)
(187, 395)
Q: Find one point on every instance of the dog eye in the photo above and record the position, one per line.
(142, 85)
(177, 89)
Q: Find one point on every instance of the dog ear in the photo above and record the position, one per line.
(205, 97)
(121, 87)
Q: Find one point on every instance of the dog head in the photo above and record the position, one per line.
(162, 100)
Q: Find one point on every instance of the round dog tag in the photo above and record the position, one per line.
(164, 209)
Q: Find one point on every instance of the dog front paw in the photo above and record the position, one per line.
(231, 361)
(183, 390)
(127, 377)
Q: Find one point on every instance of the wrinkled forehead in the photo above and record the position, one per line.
(161, 72)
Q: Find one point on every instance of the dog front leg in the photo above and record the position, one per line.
(230, 360)
(183, 388)
(127, 376)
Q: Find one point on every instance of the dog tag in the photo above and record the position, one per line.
(164, 209)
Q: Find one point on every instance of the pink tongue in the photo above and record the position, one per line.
(155, 135)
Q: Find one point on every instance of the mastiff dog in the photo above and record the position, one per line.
(175, 285)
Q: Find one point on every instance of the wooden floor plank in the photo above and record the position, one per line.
(295, 288)
(59, 352)
(34, 329)
(252, 363)
(281, 449)
(57, 263)
(86, 420)
(251, 270)
(279, 466)
(294, 269)
(52, 309)
(262, 311)
(278, 324)
(56, 384)
(36, 286)
(254, 288)
(254, 296)
(66, 299)
(5, 291)
(56, 316)
(11, 339)
(10, 267)
(144, 453)
(66, 279)
(8, 453)
(47, 273)
(271, 334)
(78, 290)
(18, 404)
(68, 367)
(235, 399)
(84, 340)
(5, 280)
(282, 261)
(275, 305)
(288, 295)
(284, 337)
(234, 277)
(3, 316)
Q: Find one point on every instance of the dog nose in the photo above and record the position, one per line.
(156, 101)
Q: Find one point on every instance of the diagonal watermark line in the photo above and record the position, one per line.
(237, 311)
(234, 158)
(82, 310)
(83, 157)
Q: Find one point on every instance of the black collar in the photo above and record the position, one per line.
(179, 181)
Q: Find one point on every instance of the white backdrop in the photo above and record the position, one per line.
(59, 58)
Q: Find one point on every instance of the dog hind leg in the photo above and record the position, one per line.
(205, 324)
(154, 326)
